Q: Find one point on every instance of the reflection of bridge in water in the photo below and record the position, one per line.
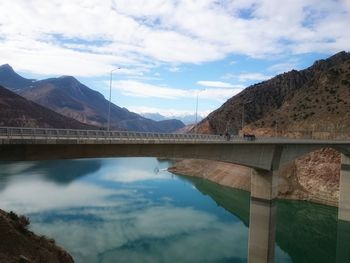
(264, 155)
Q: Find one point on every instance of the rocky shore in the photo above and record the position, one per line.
(314, 177)
(18, 244)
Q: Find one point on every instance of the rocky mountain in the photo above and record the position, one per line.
(314, 102)
(16, 111)
(67, 96)
(316, 98)
(10, 79)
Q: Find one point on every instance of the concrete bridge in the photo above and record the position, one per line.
(264, 155)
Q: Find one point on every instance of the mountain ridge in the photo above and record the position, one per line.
(17, 111)
(67, 96)
(263, 99)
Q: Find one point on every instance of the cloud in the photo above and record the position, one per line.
(146, 90)
(89, 37)
(243, 77)
(253, 76)
(47, 58)
(219, 84)
(284, 67)
(174, 69)
(141, 89)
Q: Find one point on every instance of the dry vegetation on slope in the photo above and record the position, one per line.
(314, 102)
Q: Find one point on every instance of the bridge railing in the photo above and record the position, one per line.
(48, 133)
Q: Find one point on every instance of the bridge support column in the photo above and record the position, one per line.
(262, 225)
(343, 239)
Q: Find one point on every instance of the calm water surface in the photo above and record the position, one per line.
(132, 210)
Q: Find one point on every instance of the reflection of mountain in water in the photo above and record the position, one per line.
(233, 200)
(59, 171)
(306, 231)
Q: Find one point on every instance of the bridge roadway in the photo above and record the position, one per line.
(264, 155)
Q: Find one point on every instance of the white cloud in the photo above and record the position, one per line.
(103, 34)
(174, 69)
(253, 76)
(219, 84)
(284, 67)
(141, 89)
(46, 58)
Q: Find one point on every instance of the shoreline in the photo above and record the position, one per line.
(238, 177)
(19, 244)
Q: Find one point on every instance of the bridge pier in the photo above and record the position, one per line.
(262, 225)
(343, 238)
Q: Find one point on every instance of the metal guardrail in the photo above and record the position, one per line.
(43, 133)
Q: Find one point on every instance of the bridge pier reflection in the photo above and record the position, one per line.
(262, 225)
(343, 238)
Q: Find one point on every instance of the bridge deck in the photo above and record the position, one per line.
(14, 135)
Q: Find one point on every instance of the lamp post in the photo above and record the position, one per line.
(110, 97)
(195, 127)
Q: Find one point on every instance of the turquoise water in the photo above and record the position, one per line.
(133, 210)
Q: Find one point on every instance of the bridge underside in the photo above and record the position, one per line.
(254, 156)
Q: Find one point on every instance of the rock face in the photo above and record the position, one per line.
(16, 111)
(67, 96)
(18, 244)
(311, 103)
(314, 99)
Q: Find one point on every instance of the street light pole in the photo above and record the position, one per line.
(195, 127)
(110, 97)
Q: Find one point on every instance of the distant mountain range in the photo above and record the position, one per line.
(186, 119)
(316, 98)
(17, 111)
(67, 96)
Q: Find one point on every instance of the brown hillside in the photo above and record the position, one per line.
(16, 111)
(313, 103)
(316, 98)
(18, 244)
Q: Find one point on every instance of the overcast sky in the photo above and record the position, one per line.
(170, 50)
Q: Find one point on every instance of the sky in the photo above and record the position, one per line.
(165, 53)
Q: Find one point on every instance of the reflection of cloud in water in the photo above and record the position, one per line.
(97, 221)
(37, 196)
(154, 234)
(129, 175)
(129, 170)
(168, 231)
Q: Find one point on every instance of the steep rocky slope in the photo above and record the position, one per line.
(289, 100)
(16, 111)
(312, 103)
(67, 96)
(18, 244)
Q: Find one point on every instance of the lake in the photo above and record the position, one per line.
(133, 210)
